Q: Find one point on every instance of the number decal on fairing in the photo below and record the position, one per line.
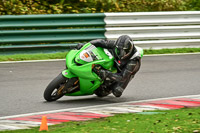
(85, 56)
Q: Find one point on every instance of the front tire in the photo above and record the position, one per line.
(55, 88)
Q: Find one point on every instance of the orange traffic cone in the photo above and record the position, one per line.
(44, 125)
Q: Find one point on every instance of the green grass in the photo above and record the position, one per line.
(20, 57)
(168, 121)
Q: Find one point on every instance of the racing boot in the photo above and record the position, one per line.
(121, 85)
(117, 91)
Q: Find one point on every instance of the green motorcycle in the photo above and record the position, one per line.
(79, 78)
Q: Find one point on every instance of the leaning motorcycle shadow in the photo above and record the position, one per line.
(91, 100)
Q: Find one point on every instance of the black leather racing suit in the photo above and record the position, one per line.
(127, 68)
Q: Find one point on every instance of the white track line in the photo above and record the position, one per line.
(95, 106)
(30, 61)
(173, 54)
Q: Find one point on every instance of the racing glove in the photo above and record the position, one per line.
(103, 74)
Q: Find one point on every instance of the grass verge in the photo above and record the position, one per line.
(42, 56)
(185, 120)
(172, 51)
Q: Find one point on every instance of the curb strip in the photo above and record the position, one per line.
(26, 121)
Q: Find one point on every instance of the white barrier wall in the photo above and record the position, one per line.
(156, 29)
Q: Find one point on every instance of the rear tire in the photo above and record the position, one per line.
(55, 88)
(99, 94)
(102, 92)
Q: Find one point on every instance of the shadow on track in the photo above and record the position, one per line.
(90, 100)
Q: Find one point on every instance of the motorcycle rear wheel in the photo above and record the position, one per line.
(55, 88)
(102, 92)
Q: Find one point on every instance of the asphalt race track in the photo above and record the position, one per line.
(22, 84)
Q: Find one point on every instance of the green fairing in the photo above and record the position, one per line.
(81, 66)
(88, 80)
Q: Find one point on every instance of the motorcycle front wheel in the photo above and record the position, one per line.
(55, 88)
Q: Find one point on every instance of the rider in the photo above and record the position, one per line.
(127, 61)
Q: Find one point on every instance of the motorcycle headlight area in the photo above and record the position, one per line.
(86, 56)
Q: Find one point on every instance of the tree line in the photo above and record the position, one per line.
(21, 7)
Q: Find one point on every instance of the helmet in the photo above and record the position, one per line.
(123, 47)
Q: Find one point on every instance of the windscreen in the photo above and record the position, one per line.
(88, 54)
